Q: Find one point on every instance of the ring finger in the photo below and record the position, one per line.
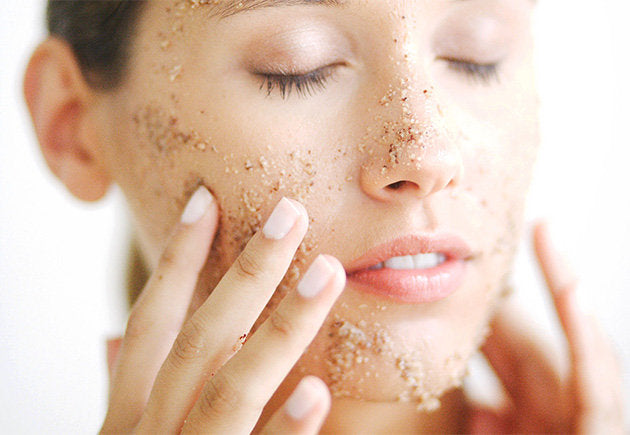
(214, 333)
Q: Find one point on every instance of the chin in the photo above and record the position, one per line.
(372, 350)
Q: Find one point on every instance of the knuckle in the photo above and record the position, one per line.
(221, 396)
(170, 259)
(248, 266)
(190, 344)
(281, 324)
(138, 325)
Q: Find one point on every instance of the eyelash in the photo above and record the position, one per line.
(476, 72)
(307, 84)
(304, 84)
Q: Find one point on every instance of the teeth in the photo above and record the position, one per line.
(406, 262)
(427, 261)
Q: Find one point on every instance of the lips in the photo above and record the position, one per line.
(407, 281)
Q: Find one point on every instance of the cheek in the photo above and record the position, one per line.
(499, 160)
(165, 159)
(254, 181)
(169, 160)
(152, 160)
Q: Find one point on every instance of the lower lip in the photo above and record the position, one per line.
(413, 286)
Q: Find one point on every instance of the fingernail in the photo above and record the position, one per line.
(197, 206)
(302, 400)
(281, 220)
(315, 278)
(561, 271)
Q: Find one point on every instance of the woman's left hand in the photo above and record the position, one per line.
(589, 400)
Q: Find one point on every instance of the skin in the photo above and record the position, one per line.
(399, 140)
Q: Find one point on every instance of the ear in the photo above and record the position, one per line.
(62, 104)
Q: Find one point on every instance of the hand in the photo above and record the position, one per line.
(589, 401)
(195, 375)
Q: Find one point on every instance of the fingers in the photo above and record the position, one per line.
(304, 412)
(525, 367)
(597, 381)
(233, 400)
(562, 284)
(489, 421)
(557, 274)
(595, 371)
(219, 327)
(560, 280)
(160, 310)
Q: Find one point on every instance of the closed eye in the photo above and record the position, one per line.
(482, 73)
(304, 85)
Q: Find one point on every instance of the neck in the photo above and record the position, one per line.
(353, 416)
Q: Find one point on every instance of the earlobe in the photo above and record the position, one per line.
(60, 102)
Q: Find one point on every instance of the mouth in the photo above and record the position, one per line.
(413, 269)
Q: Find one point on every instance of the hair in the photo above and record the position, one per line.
(99, 32)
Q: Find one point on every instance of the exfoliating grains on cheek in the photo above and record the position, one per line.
(247, 185)
(187, 133)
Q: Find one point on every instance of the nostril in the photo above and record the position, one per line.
(397, 185)
(400, 185)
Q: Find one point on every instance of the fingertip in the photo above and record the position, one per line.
(540, 223)
(304, 411)
(540, 236)
(322, 391)
(301, 209)
(333, 261)
(340, 273)
(546, 241)
(214, 213)
(309, 396)
(560, 277)
(206, 226)
(198, 206)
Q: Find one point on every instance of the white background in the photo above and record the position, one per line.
(60, 259)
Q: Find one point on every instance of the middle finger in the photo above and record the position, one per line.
(214, 333)
(232, 401)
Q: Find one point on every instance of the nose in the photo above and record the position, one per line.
(413, 153)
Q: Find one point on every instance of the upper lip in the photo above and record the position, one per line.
(453, 247)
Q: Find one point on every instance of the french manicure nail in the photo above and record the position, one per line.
(302, 400)
(565, 275)
(281, 220)
(197, 206)
(315, 278)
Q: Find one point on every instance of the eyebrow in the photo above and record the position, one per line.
(224, 9)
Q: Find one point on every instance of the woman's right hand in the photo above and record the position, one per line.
(194, 375)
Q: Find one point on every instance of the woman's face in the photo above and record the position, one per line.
(384, 118)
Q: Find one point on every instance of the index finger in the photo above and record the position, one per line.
(558, 276)
(595, 372)
(216, 331)
(160, 310)
(561, 282)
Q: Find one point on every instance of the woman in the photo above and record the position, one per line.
(328, 196)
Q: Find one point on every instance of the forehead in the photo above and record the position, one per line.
(226, 8)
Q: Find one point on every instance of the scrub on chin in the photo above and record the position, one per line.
(383, 146)
(392, 142)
